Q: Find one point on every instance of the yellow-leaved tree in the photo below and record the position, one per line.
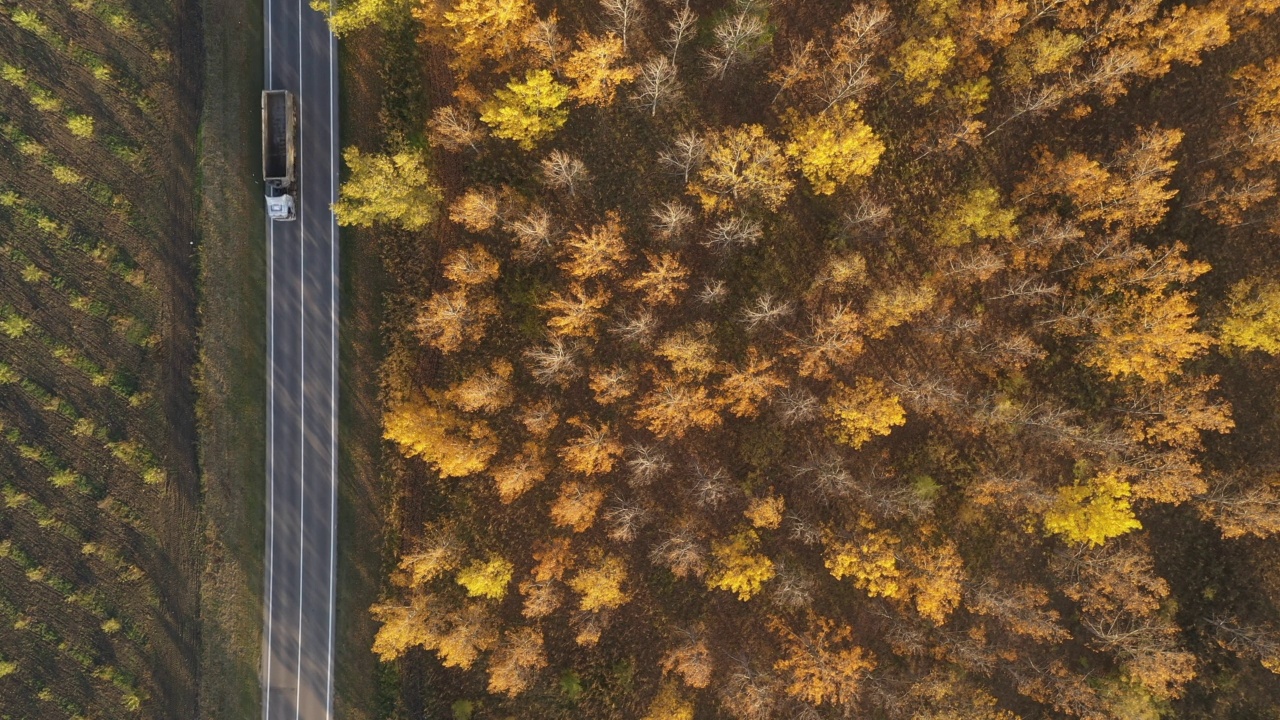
(600, 585)
(527, 111)
(738, 567)
(922, 64)
(976, 215)
(669, 705)
(1254, 319)
(593, 68)
(477, 30)
(936, 580)
(869, 558)
(863, 411)
(395, 188)
(834, 146)
(1093, 511)
(743, 166)
(422, 427)
(346, 16)
(1148, 334)
(486, 578)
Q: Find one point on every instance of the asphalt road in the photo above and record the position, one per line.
(297, 662)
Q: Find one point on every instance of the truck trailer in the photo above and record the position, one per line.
(279, 152)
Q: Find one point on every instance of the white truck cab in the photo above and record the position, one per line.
(279, 206)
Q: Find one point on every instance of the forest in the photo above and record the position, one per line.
(777, 359)
(98, 561)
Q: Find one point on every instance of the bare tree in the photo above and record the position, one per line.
(623, 16)
(796, 405)
(453, 128)
(564, 171)
(646, 465)
(846, 80)
(671, 218)
(979, 264)
(682, 28)
(803, 531)
(792, 589)
(553, 363)
(625, 520)
(681, 553)
(733, 232)
(1030, 290)
(657, 84)
(1255, 641)
(534, 234)
(710, 487)
(1033, 102)
(765, 310)
(636, 328)
(868, 212)
(735, 40)
(827, 475)
(713, 292)
(544, 38)
(685, 155)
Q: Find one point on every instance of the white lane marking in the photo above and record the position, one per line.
(302, 385)
(271, 407)
(333, 364)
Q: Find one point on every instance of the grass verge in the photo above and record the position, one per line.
(364, 688)
(231, 378)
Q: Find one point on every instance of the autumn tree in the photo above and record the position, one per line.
(600, 585)
(743, 166)
(833, 147)
(823, 665)
(423, 428)
(747, 386)
(936, 579)
(863, 411)
(673, 408)
(477, 30)
(485, 391)
(594, 71)
(516, 661)
(352, 15)
(669, 705)
(527, 111)
(516, 476)
(664, 282)
(738, 567)
(1148, 335)
(691, 660)
(452, 319)
(395, 188)
(486, 578)
(598, 252)
(869, 558)
(577, 505)
(594, 452)
(1092, 511)
(1254, 319)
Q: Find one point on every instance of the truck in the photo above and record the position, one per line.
(279, 152)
